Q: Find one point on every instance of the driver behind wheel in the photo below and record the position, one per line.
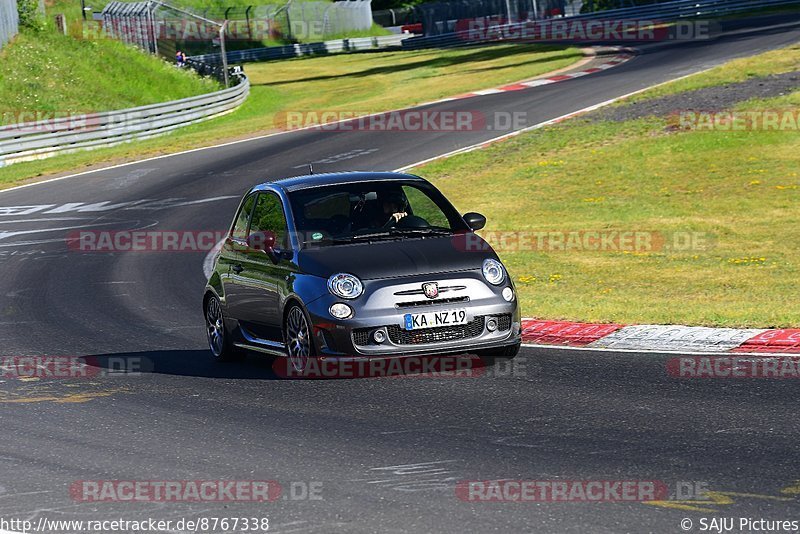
(395, 207)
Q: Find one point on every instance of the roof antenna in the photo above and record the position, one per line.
(310, 168)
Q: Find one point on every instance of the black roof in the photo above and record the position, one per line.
(332, 178)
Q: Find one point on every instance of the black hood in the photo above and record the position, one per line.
(385, 259)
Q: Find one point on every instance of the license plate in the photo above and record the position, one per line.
(415, 321)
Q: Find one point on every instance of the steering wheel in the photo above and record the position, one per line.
(412, 221)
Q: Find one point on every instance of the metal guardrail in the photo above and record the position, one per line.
(328, 47)
(41, 139)
(662, 12)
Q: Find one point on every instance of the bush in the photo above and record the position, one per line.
(29, 14)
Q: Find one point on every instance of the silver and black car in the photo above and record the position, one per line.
(357, 266)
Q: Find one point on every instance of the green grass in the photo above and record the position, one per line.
(375, 31)
(47, 72)
(70, 8)
(368, 82)
(738, 190)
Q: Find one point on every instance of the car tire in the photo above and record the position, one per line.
(297, 335)
(500, 354)
(219, 340)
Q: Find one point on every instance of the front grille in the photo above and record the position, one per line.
(442, 289)
(399, 336)
(361, 336)
(430, 302)
(504, 322)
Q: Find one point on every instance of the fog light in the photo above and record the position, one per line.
(491, 324)
(508, 294)
(379, 336)
(341, 311)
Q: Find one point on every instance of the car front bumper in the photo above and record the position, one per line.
(385, 302)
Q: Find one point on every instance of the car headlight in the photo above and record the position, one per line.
(340, 310)
(345, 286)
(493, 271)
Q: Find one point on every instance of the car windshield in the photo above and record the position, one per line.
(371, 211)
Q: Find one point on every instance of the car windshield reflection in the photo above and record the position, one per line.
(368, 211)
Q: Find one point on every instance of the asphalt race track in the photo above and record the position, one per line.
(383, 454)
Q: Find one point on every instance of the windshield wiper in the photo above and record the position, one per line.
(374, 235)
(391, 233)
(399, 232)
(422, 231)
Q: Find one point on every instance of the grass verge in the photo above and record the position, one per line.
(42, 71)
(729, 197)
(368, 82)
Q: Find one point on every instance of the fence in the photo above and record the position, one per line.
(130, 22)
(442, 17)
(44, 138)
(297, 20)
(313, 21)
(9, 21)
(396, 17)
(161, 28)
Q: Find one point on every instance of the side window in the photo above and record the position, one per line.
(240, 227)
(268, 217)
(424, 207)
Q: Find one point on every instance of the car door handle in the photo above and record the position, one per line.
(238, 268)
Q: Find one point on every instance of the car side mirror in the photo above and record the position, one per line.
(476, 221)
(263, 241)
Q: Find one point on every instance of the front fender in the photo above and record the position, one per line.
(305, 288)
(215, 285)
